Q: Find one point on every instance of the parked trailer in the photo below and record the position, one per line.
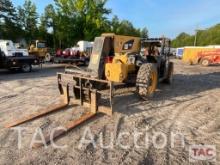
(77, 54)
(71, 60)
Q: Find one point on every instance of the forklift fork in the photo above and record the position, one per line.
(64, 83)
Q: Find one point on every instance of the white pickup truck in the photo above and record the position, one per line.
(9, 49)
(12, 58)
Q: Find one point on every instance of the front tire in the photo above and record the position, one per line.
(26, 67)
(147, 80)
(169, 77)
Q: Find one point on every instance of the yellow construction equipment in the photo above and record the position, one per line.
(116, 61)
(39, 49)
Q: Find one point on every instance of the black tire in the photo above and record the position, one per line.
(25, 67)
(86, 63)
(147, 80)
(169, 76)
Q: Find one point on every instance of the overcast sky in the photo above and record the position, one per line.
(161, 17)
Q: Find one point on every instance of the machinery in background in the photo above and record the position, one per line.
(192, 54)
(15, 59)
(77, 54)
(209, 57)
(9, 49)
(84, 46)
(40, 50)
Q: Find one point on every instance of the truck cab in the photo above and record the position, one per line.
(7, 46)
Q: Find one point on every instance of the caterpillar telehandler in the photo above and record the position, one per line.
(115, 61)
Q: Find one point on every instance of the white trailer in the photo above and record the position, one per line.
(83, 46)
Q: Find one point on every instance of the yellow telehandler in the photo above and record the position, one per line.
(115, 61)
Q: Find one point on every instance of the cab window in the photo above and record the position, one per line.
(41, 45)
(128, 45)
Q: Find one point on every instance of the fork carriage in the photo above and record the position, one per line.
(85, 95)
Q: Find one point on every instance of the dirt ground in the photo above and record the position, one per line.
(189, 106)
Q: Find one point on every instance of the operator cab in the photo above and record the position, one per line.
(155, 47)
(156, 50)
(38, 44)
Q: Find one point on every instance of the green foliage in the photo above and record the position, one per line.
(210, 36)
(47, 28)
(144, 33)
(8, 20)
(183, 39)
(7, 10)
(62, 24)
(125, 27)
(28, 16)
(80, 19)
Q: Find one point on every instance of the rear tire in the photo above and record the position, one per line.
(147, 80)
(205, 62)
(169, 78)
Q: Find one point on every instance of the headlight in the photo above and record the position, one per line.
(14, 62)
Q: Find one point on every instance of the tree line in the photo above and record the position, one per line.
(210, 36)
(63, 23)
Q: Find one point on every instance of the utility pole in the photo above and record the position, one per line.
(196, 35)
(195, 41)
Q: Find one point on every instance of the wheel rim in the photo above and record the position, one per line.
(47, 57)
(26, 68)
(153, 83)
(205, 62)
